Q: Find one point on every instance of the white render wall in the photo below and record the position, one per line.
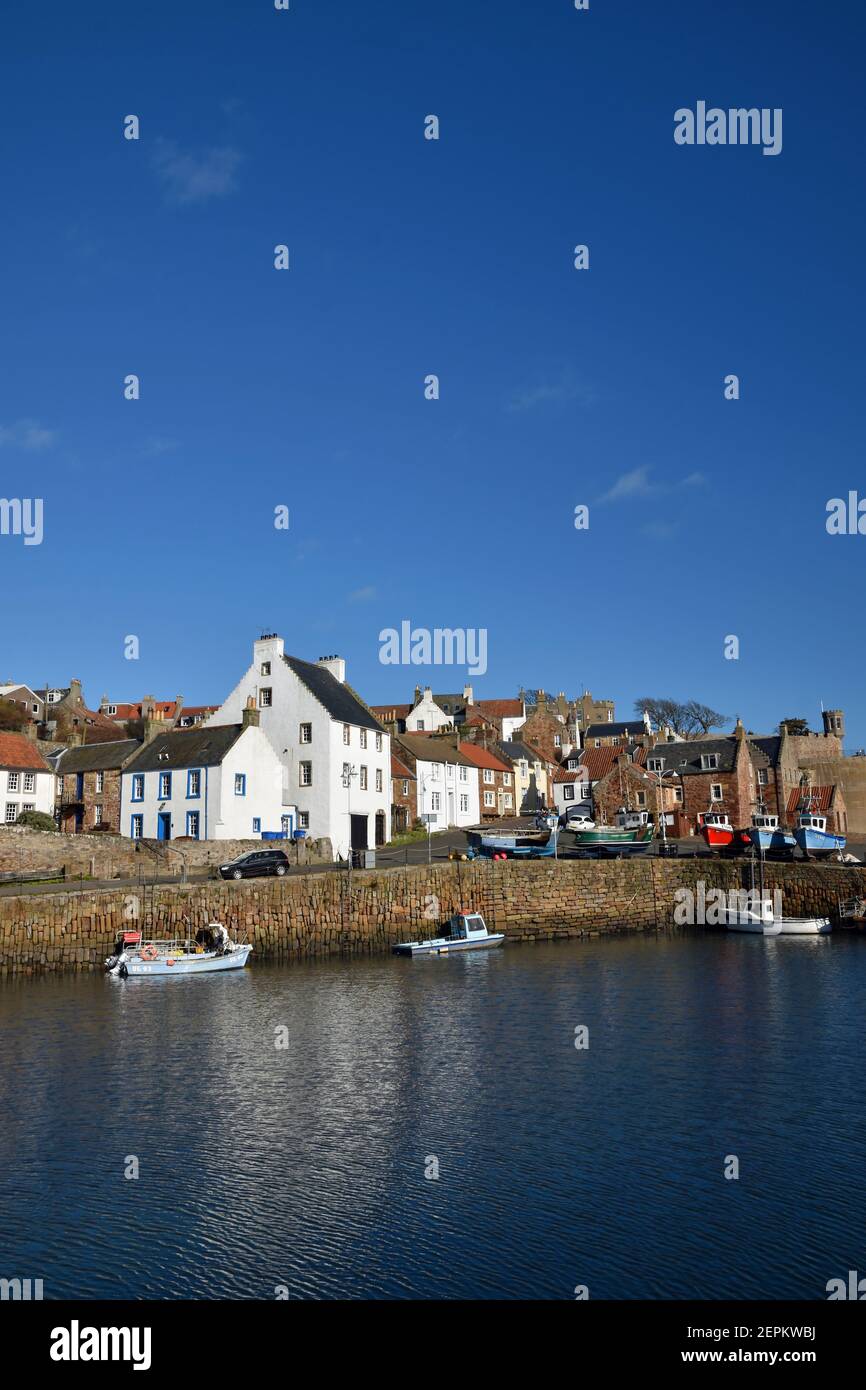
(451, 781)
(427, 716)
(326, 801)
(222, 814)
(41, 798)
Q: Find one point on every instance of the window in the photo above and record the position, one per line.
(29, 806)
(716, 791)
(257, 825)
(112, 709)
(378, 779)
(240, 784)
(597, 742)
(347, 733)
(655, 764)
(464, 802)
(363, 738)
(641, 798)
(11, 813)
(488, 774)
(137, 828)
(138, 787)
(507, 802)
(97, 815)
(164, 786)
(306, 777)
(100, 782)
(463, 774)
(568, 793)
(363, 779)
(193, 782)
(192, 824)
(14, 782)
(420, 725)
(265, 694)
(709, 761)
(762, 777)
(506, 779)
(489, 799)
(557, 740)
(378, 743)
(303, 820)
(306, 733)
(30, 782)
(572, 764)
(265, 668)
(434, 772)
(434, 801)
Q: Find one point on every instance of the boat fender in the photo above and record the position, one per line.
(148, 952)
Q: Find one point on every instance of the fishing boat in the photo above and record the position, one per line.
(717, 831)
(814, 839)
(538, 843)
(767, 836)
(467, 931)
(629, 827)
(211, 949)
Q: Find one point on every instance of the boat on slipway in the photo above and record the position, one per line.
(768, 837)
(212, 949)
(467, 931)
(536, 843)
(629, 828)
(814, 839)
(717, 831)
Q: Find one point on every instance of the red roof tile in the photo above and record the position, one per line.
(815, 801)
(18, 752)
(502, 709)
(399, 770)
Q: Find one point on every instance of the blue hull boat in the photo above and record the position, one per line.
(814, 839)
(772, 841)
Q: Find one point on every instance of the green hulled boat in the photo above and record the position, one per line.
(631, 827)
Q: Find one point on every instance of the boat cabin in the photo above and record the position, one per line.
(765, 822)
(467, 926)
(718, 818)
(810, 822)
(631, 820)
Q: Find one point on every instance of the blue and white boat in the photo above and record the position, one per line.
(467, 931)
(814, 839)
(768, 836)
(539, 843)
(212, 949)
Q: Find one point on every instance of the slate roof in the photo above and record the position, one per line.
(516, 750)
(635, 726)
(19, 753)
(686, 757)
(335, 696)
(201, 747)
(431, 749)
(95, 757)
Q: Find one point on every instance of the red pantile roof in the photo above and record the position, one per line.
(391, 711)
(482, 757)
(18, 752)
(398, 769)
(502, 709)
(599, 761)
(815, 801)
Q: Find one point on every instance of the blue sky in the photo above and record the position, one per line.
(454, 257)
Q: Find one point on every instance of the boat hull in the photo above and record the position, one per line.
(806, 926)
(743, 923)
(178, 965)
(772, 841)
(816, 843)
(715, 837)
(444, 947)
(605, 836)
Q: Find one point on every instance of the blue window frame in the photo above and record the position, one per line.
(193, 783)
(240, 784)
(138, 786)
(257, 825)
(192, 824)
(79, 786)
(164, 786)
(136, 827)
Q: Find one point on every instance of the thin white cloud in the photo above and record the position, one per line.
(363, 595)
(551, 392)
(633, 484)
(156, 446)
(194, 178)
(27, 434)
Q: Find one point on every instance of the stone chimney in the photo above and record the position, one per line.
(739, 729)
(336, 665)
(467, 695)
(154, 723)
(75, 696)
(250, 715)
(30, 729)
(75, 739)
(178, 708)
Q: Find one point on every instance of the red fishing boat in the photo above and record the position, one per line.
(717, 830)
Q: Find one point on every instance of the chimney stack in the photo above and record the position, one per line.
(250, 715)
(153, 724)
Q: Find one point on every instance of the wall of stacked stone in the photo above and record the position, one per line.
(308, 916)
(102, 856)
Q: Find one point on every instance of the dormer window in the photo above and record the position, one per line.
(655, 764)
(709, 761)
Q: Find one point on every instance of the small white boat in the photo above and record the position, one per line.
(805, 926)
(212, 949)
(760, 918)
(467, 932)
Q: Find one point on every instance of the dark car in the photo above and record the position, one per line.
(260, 862)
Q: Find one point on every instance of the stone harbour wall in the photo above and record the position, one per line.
(308, 916)
(105, 855)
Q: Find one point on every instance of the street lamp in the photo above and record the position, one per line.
(660, 775)
(348, 773)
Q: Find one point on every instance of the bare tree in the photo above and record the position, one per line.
(683, 716)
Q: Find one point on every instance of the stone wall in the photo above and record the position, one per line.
(325, 914)
(104, 855)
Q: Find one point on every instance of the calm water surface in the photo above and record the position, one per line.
(305, 1166)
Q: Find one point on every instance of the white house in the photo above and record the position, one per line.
(26, 781)
(209, 784)
(447, 782)
(335, 755)
(572, 787)
(426, 716)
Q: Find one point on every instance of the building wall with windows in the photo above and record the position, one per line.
(27, 783)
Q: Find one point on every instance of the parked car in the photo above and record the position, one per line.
(257, 864)
(576, 822)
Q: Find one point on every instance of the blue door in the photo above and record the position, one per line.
(163, 825)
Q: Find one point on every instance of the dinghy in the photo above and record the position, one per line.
(212, 949)
(467, 932)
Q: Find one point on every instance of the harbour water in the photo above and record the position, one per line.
(309, 1168)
